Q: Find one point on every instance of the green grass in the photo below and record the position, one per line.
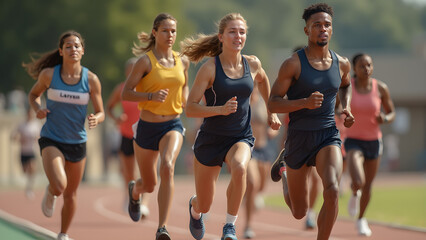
(401, 205)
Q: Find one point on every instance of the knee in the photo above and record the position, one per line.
(238, 171)
(358, 184)
(331, 193)
(58, 188)
(299, 213)
(167, 169)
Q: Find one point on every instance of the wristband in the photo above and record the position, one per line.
(149, 96)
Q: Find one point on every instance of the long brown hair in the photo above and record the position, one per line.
(147, 42)
(51, 58)
(208, 45)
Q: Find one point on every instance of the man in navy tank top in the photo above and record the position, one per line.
(306, 88)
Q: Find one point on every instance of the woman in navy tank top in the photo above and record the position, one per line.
(226, 81)
(69, 88)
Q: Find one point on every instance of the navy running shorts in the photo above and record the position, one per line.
(149, 134)
(301, 147)
(126, 146)
(264, 154)
(26, 158)
(210, 150)
(71, 152)
(370, 149)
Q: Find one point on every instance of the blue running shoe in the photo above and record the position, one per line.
(196, 227)
(162, 234)
(229, 232)
(134, 205)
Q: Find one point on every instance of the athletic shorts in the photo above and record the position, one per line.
(149, 134)
(126, 146)
(26, 158)
(302, 147)
(210, 150)
(265, 154)
(71, 152)
(370, 149)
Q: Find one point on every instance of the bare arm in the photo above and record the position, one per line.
(389, 109)
(278, 103)
(264, 88)
(96, 97)
(42, 84)
(113, 100)
(203, 81)
(185, 90)
(345, 91)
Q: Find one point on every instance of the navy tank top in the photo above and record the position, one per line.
(310, 80)
(224, 88)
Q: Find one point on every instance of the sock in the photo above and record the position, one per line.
(195, 214)
(231, 219)
(310, 213)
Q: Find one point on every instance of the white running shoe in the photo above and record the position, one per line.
(353, 205)
(248, 233)
(363, 228)
(48, 203)
(144, 211)
(62, 236)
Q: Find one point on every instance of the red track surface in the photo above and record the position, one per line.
(100, 215)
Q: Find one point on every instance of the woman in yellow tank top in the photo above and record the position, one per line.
(158, 81)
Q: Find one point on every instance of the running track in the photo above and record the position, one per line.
(100, 215)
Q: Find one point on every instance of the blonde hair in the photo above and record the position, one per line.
(51, 58)
(147, 42)
(208, 45)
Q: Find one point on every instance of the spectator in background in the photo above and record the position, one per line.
(27, 134)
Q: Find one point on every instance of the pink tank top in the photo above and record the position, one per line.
(365, 108)
(132, 112)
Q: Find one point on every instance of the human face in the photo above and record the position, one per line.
(234, 35)
(319, 28)
(72, 49)
(364, 67)
(165, 35)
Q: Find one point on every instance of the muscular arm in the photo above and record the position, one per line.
(264, 88)
(42, 84)
(278, 103)
(96, 97)
(185, 90)
(389, 109)
(141, 67)
(345, 91)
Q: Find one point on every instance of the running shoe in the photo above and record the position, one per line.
(276, 166)
(62, 236)
(144, 211)
(134, 205)
(162, 234)
(48, 203)
(196, 227)
(363, 228)
(310, 222)
(229, 232)
(248, 233)
(353, 205)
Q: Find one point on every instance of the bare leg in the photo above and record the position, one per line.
(170, 146)
(329, 167)
(74, 172)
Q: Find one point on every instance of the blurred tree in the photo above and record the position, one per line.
(110, 27)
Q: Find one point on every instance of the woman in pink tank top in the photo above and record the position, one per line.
(371, 105)
(129, 116)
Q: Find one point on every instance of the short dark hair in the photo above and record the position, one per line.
(316, 8)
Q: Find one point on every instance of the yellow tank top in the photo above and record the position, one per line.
(159, 78)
